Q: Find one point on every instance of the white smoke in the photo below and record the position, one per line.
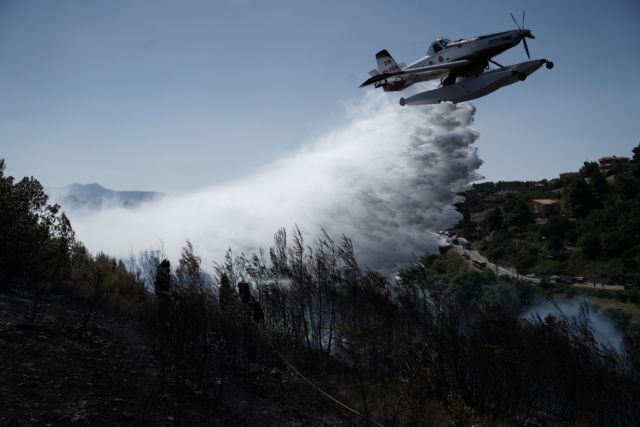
(387, 179)
(604, 330)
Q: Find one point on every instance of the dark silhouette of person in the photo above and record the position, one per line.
(252, 316)
(225, 294)
(163, 292)
(257, 315)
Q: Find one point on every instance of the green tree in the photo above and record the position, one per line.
(494, 220)
(636, 154)
(626, 185)
(599, 183)
(517, 213)
(35, 237)
(554, 231)
(580, 198)
(588, 169)
(525, 257)
(467, 225)
(589, 243)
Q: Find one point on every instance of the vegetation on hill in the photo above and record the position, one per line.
(39, 252)
(592, 230)
(437, 342)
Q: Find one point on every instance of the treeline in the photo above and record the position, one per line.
(594, 229)
(39, 253)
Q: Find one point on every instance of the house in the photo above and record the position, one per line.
(542, 208)
(612, 163)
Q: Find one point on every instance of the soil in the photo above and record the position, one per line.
(55, 372)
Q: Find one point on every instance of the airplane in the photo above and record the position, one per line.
(462, 65)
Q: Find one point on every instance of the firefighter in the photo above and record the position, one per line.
(163, 292)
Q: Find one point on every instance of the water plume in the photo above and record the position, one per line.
(387, 178)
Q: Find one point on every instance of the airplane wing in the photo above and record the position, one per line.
(418, 70)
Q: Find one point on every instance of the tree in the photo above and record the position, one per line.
(636, 154)
(588, 169)
(34, 236)
(517, 213)
(524, 259)
(494, 220)
(189, 272)
(626, 185)
(580, 198)
(467, 224)
(589, 243)
(599, 183)
(555, 230)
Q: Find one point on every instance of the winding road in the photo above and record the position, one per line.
(511, 271)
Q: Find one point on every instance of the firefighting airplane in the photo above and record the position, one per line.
(462, 65)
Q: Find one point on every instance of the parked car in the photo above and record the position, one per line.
(579, 279)
(531, 275)
(479, 264)
(560, 279)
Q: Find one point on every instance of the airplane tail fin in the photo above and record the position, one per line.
(386, 63)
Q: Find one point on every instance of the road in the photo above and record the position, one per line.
(511, 271)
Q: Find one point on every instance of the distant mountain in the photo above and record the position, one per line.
(94, 197)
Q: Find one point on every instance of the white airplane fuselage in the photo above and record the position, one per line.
(477, 49)
(472, 48)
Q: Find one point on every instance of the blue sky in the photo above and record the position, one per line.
(176, 95)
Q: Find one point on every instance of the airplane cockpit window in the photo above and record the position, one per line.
(444, 42)
(436, 47)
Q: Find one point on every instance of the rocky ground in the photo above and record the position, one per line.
(55, 372)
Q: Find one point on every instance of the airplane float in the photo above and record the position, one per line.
(462, 65)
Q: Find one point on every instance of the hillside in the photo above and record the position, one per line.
(94, 196)
(585, 223)
(57, 372)
(300, 334)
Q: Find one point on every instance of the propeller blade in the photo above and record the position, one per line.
(523, 12)
(514, 20)
(526, 48)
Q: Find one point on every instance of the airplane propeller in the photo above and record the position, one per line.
(526, 34)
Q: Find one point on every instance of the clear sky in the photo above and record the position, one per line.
(176, 95)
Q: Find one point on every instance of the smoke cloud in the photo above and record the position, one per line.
(604, 330)
(386, 178)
